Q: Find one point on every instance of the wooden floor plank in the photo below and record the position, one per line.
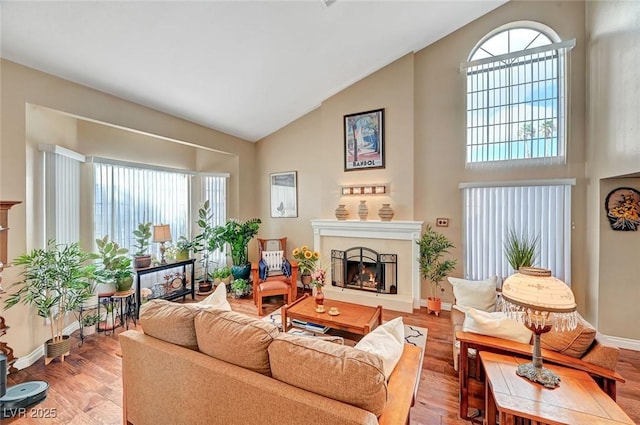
(87, 388)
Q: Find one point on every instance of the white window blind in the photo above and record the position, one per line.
(536, 210)
(214, 189)
(62, 193)
(126, 195)
(516, 99)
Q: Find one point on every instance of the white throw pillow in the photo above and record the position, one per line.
(479, 294)
(218, 299)
(386, 341)
(495, 324)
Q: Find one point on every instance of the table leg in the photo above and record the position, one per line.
(490, 407)
(463, 379)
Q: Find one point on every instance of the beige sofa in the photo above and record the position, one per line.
(195, 365)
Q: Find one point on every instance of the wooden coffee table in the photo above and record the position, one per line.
(353, 318)
(578, 399)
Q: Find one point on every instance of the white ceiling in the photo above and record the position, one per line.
(244, 68)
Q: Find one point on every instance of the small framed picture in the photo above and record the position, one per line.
(364, 140)
(284, 194)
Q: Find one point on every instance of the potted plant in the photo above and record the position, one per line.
(183, 248)
(238, 235)
(520, 249)
(222, 274)
(433, 247)
(205, 243)
(307, 261)
(116, 266)
(142, 235)
(240, 287)
(89, 323)
(56, 282)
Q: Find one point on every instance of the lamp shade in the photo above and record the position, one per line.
(161, 233)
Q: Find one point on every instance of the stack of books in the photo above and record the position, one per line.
(312, 327)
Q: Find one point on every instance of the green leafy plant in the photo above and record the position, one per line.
(433, 247)
(184, 244)
(520, 249)
(142, 235)
(240, 287)
(221, 273)
(115, 263)
(207, 240)
(90, 319)
(238, 235)
(56, 282)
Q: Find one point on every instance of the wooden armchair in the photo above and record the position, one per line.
(273, 274)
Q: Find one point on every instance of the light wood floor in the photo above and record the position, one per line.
(86, 388)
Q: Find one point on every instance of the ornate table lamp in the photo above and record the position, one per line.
(541, 302)
(162, 234)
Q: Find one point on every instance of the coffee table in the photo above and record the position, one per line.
(353, 318)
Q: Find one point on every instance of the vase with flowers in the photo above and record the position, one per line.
(307, 261)
(318, 278)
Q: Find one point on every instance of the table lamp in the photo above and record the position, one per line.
(541, 302)
(162, 234)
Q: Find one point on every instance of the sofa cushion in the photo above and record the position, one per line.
(170, 322)
(572, 343)
(386, 341)
(336, 371)
(218, 299)
(235, 338)
(479, 294)
(495, 324)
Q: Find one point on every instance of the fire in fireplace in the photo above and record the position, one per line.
(364, 269)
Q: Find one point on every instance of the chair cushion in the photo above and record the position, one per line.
(386, 341)
(479, 294)
(235, 338)
(339, 372)
(572, 343)
(495, 324)
(272, 285)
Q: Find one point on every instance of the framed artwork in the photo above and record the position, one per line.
(284, 194)
(364, 140)
(623, 208)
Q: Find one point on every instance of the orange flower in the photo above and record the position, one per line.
(308, 254)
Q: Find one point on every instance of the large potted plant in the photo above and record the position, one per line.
(205, 243)
(116, 266)
(433, 247)
(56, 282)
(142, 236)
(238, 235)
(520, 249)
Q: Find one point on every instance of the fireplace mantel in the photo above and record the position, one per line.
(404, 232)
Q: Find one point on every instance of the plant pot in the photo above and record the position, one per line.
(124, 284)
(241, 272)
(142, 262)
(434, 305)
(106, 288)
(91, 301)
(56, 349)
(182, 255)
(89, 330)
(305, 279)
(204, 287)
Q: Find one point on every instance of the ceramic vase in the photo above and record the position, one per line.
(363, 210)
(341, 212)
(385, 212)
(319, 296)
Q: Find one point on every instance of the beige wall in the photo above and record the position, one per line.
(29, 96)
(613, 149)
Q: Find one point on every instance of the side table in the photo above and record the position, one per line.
(578, 399)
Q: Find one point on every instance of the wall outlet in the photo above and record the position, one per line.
(442, 222)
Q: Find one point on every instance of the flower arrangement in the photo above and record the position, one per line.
(306, 259)
(318, 277)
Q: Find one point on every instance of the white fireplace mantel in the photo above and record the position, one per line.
(407, 231)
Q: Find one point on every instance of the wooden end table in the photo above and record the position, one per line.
(578, 399)
(353, 318)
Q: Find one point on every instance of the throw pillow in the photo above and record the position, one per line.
(495, 324)
(572, 343)
(386, 341)
(218, 299)
(479, 294)
(170, 322)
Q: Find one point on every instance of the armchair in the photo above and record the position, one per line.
(273, 274)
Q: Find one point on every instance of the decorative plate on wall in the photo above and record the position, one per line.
(623, 208)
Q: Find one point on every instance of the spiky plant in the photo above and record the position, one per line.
(520, 249)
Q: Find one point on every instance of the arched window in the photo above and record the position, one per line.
(516, 96)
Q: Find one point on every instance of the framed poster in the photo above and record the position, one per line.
(284, 194)
(364, 140)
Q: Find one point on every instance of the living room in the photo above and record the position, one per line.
(422, 94)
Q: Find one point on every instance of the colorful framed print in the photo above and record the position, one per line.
(284, 194)
(623, 209)
(364, 140)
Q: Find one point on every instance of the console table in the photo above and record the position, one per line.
(181, 292)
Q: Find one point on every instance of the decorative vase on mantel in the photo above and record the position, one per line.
(341, 212)
(385, 212)
(363, 210)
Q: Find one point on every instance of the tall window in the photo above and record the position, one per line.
(214, 189)
(126, 195)
(516, 96)
(537, 210)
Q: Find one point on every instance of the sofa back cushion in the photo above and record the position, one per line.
(336, 371)
(479, 294)
(235, 338)
(170, 322)
(574, 343)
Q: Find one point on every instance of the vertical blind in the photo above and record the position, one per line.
(542, 211)
(214, 189)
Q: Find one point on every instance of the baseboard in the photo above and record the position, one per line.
(31, 358)
(445, 306)
(628, 343)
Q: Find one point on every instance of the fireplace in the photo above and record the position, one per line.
(364, 269)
